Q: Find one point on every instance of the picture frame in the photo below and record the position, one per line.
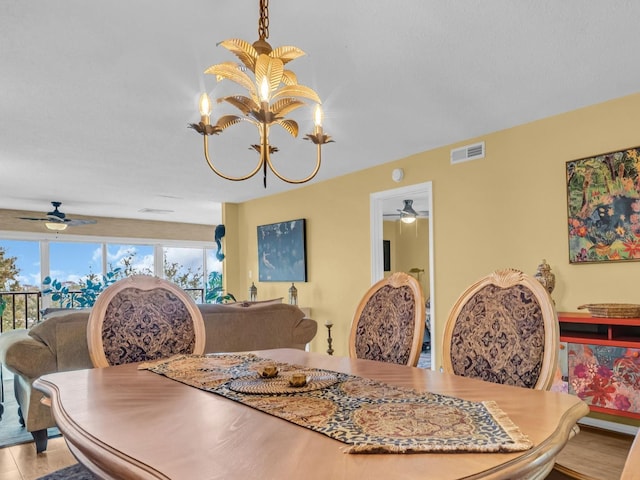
(282, 251)
(603, 207)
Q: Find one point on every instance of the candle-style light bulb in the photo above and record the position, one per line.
(264, 90)
(205, 107)
(317, 119)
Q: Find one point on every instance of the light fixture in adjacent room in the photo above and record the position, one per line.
(56, 226)
(408, 214)
(273, 92)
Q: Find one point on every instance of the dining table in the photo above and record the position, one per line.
(128, 422)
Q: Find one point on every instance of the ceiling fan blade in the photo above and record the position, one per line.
(79, 222)
(56, 216)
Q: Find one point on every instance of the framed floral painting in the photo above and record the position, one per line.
(603, 203)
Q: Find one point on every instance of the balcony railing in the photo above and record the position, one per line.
(24, 309)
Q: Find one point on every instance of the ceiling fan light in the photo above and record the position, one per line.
(407, 219)
(56, 226)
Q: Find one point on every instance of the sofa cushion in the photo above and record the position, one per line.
(257, 327)
(46, 330)
(24, 355)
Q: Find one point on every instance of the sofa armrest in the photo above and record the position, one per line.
(26, 356)
(304, 332)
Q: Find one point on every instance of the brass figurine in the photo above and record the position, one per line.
(545, 276)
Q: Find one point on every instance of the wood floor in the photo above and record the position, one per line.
(592, 454)
(21, 462)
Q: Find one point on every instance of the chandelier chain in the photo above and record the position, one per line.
(263, 23)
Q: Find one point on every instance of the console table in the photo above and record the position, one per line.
(600, 361)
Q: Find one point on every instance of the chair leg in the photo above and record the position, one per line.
(15, 392)
(40, 437)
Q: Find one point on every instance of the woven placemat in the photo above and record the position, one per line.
(280, 384)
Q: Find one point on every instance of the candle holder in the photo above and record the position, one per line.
(253, 292)
(293, 295)
(329, 339)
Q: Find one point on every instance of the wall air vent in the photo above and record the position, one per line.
(466, 153)
(159, 211)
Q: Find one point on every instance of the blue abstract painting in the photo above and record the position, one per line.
(281, 252)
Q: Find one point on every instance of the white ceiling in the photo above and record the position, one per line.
(95, 97)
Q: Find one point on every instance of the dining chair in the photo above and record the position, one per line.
(631, 469)
(388, 325)
(141, 318)
(503, 329)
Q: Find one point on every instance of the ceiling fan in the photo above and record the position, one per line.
(58, 221)
(407, 214)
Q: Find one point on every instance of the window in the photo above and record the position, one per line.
(78, 271)
(20, 279)
(73, 265)
(131, 259)
(213, 287)
(184, 267)
(75, 262)
(26, 259)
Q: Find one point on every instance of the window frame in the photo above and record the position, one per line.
(158, 245)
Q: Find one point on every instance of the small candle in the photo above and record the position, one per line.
(269, 370)
(205, 108)
(317, 120)
(298, 380)
(265, 91)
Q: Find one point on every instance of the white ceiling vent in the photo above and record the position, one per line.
(469, 152)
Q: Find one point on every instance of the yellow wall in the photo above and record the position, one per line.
(506, 210)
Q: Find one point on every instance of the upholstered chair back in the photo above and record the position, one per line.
(389, 323)
(503, 329)
(143, 318)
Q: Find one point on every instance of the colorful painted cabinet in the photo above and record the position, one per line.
(602, 358)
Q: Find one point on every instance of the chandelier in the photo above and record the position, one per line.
(271, 93)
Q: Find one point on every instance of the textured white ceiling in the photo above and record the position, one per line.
(95, 97)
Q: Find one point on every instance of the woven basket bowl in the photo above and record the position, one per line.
(612, 310)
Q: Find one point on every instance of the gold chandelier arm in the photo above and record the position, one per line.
(303, 180)
(219, 173)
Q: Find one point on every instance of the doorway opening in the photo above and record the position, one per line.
(387, 206)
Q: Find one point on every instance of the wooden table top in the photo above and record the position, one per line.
(124, 423)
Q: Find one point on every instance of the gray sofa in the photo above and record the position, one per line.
(59, 343)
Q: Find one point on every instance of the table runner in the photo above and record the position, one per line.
(366, 415)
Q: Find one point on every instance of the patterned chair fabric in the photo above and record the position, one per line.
(503, 329)
(389, 322)
(143, 318)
